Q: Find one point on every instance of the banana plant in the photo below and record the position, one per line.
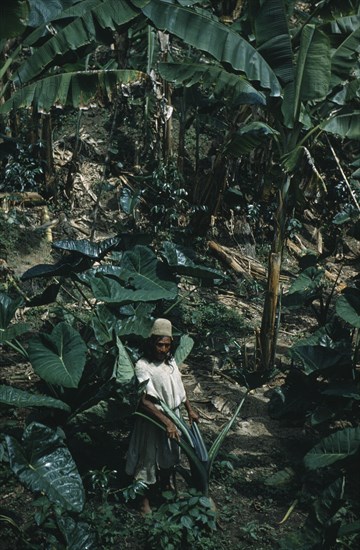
(200, 460)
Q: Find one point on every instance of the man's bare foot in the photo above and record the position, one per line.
(145, 506)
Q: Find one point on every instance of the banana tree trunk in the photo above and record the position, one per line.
(269, 329)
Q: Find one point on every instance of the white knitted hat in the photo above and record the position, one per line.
(161, 327)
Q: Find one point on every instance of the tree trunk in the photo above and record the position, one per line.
(268, 331)
(47, 154)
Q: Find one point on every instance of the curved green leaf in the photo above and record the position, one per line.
(124, 369)
(333, 448)
(78, 535)
(8, 307)
(184, 348)
(76, 89)
(235, 87)
(347, 389)
(20, 398)
(316, 358)
(184, 262)
(220, 41)
(273, 37)
(65, 267)
(45, 465)
(47, 297)
(13, 331)
(215, 447)
(248, 137)
(136, 320)
(344, 33)
(42, 11)
(344, 124)
(82, 32)
(348, 306)
(142, 269)
(89, 249)
(59, 358)
(312, 75)
(14, 17)
(281, 478)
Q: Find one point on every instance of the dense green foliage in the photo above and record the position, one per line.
(215, 108)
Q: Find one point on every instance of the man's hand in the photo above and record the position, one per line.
(193, 416)
(172, 432)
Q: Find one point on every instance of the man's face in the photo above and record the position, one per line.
(162, 348)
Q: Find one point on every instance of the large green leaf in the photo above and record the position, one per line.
(59, 358)
(347, 389)
(20, 398)
(348, 306)
(184, 262)
(43, 11)
(13, 331)
(184, 348)
(316, 358)
(82, 32)
(273, 37)
(8, 307)
(222, 83)
(79, 89)
(146, 279)
(206, 34)
(335, 447)
(132, 320)
(78, 535)
(124, 369)
(330, 500)
(345, 32)
(313, 67)
(110, 291)
(44, 464)
(89, 249)
(312, 75)
(73, 263)
(14, 17)
(250, 136)
(345, 124)
(305, 288)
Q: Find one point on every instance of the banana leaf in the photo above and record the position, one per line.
(76, 89)
(222, 83)
(213, 37)
(250, 136)
(81, 32)
(14, 16)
